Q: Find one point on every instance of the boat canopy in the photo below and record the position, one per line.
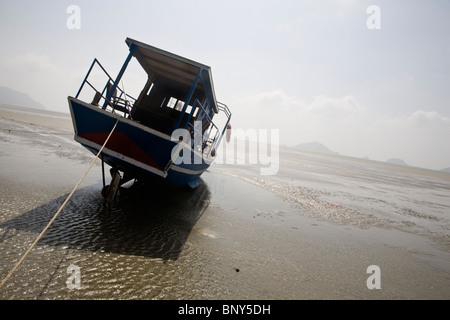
(175, 71)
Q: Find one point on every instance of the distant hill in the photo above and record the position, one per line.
(315, 147)
(446, 170)
(397, 161)
(16, 98)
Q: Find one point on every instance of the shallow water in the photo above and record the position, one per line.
(362, 193)
(141, 227)
(147, 244)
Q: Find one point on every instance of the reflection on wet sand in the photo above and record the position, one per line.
(142, 221)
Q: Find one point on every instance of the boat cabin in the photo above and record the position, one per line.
(178, 92)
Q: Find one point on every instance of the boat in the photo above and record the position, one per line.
(165, 136)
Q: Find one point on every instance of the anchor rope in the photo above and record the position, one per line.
(59, 210)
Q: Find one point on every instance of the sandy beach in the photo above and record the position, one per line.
(311, 231)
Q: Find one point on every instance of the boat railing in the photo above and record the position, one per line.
(212, 136)
(122, 102)
(224, 108)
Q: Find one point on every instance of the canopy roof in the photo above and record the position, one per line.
(174, 71)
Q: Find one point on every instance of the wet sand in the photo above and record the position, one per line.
(309, 232)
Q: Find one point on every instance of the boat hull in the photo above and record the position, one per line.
(138, 151)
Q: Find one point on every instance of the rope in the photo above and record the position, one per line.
(57, 213)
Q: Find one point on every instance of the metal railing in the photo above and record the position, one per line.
(212, 136)
(117, 102)
(224, 108)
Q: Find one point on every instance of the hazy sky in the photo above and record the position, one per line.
(312, 69)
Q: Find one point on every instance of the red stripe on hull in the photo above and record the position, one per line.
(121, 143)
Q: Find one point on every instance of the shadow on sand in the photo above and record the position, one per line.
(141, 221)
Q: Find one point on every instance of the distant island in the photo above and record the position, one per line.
(321, 148)
(15, 98)
(315, 147)
(398, 162)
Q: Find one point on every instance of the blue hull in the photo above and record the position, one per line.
(138, 151)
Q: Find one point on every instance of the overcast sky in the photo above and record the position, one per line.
(312, 69)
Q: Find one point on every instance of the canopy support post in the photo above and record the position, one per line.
(119, 76)
(188, 99)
